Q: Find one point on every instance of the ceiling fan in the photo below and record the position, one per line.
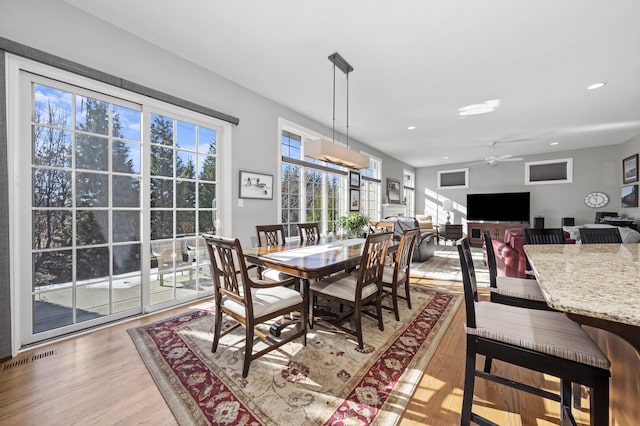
(492, 160)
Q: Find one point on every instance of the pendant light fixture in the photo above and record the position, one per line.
(329, 151)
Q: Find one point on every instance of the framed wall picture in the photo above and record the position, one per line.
(629, 196)
(256, 185)
(393, 191)
(630, 169)
(354, 179)
(354, 200)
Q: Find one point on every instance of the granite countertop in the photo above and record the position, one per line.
(595, 280)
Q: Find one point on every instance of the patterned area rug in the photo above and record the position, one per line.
(327, 382)
(445, 265)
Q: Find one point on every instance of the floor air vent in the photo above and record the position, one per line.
(13, 364)
(33, 358)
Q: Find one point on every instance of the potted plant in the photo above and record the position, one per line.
(353, 223)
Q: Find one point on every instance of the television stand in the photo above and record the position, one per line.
(496, 229)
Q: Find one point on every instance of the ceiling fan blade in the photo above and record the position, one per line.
(512, 159)
(503, 157)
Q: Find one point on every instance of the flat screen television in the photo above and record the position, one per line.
(499, 207)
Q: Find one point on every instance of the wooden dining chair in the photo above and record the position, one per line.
(356, 289)
(309, 232)
(543, 341)
(250, 302)
(600, 236)
(513, 291)
(270, 235)
(544, 236)
(397, 274)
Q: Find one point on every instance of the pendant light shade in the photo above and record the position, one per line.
(329, 151)
(326, 150)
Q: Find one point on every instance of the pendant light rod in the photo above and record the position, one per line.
(340, 62)
(347, 110)
(333, 127)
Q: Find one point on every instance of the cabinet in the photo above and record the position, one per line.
(496, 229)
(449, 232)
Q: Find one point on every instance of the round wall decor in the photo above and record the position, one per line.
(596, 200)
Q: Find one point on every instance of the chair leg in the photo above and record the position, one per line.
(358, 319)
(217, 329)
(469, 381)
(599, 402)
(311, 308)
(379, 310)
(248, 350)
(303, 321)
(565, 399)
(407, 294)
(394, 298)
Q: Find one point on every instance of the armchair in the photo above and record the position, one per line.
(424, 247)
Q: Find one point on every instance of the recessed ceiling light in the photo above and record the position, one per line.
(596, 85)
(411, 127)
(554, 143)
(446, 158)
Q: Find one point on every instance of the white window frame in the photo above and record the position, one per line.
(569, 171)
(409, 191)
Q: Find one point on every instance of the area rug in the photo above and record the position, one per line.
(445, 265)
(328, 382)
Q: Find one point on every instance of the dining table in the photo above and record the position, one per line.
(598, 286)
(309, 259)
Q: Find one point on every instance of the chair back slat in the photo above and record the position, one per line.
(544, 236)
(491, 259)
(469, 284)
(270, 235)
(372, 261)
(600, 236)
(405, 248)
(381, 226)
(309, 232)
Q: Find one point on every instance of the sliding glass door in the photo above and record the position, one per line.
(111, 196)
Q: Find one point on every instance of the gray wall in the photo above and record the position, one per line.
(55, 27)
(594, 169)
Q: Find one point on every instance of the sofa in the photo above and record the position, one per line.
(425, 244)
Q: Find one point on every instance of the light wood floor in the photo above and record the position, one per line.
(99, 379)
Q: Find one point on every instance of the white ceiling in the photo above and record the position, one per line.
(416, 62)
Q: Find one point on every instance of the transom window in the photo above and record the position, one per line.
(311, 190)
